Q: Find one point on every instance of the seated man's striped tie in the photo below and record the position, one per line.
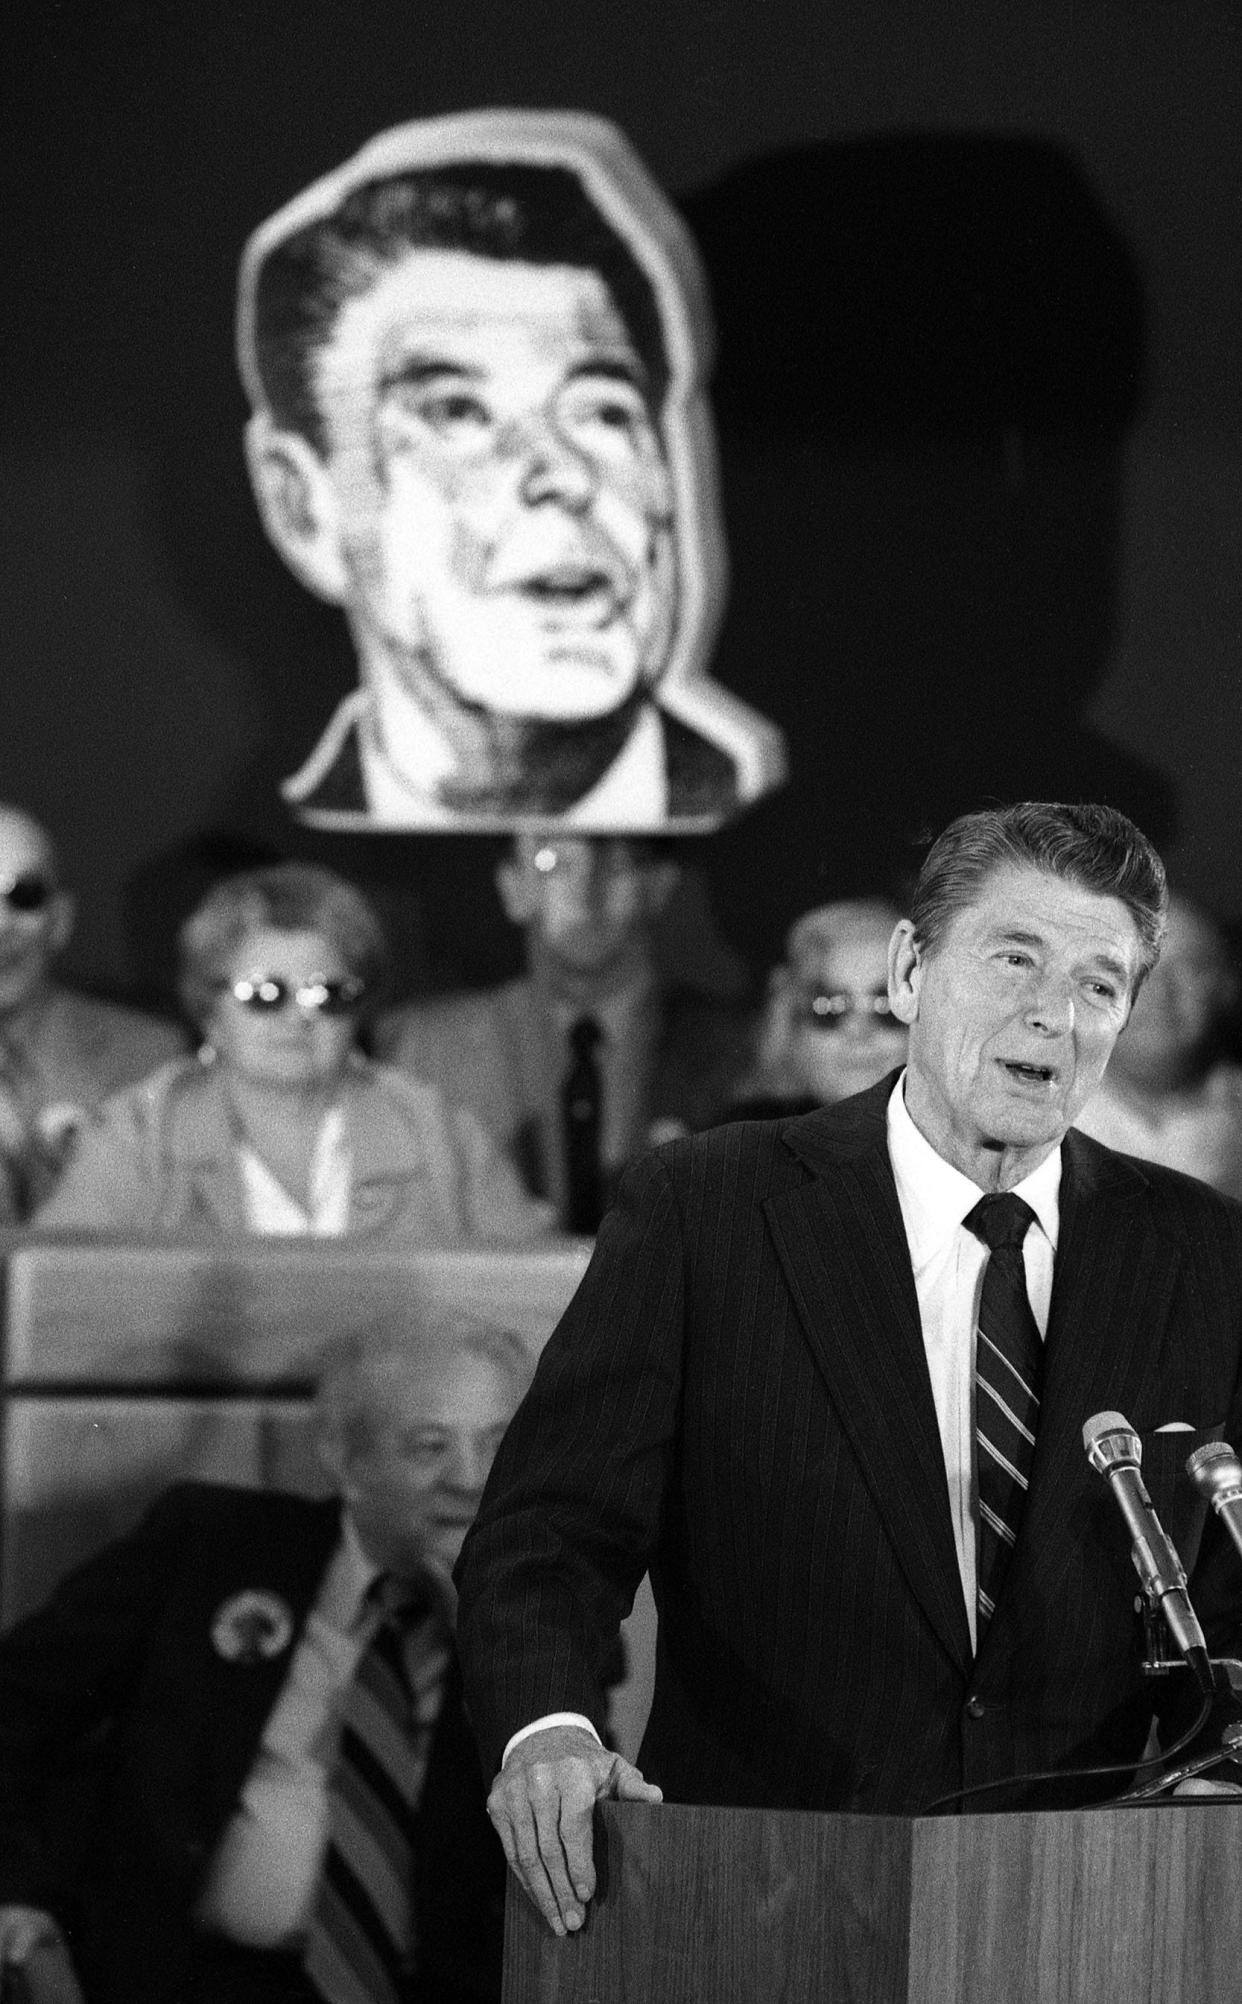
(1008, 1363)
(361, 1942)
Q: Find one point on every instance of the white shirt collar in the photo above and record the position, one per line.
(353, 1573)
(343, 1596)
(616, 1012)
(935, 1197)
(271, 1211)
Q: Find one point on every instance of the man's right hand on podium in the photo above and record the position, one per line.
(542, 1803)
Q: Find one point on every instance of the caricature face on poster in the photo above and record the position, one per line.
(476, 358)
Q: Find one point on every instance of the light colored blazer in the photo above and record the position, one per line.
(161, 1157)
(502, 1053)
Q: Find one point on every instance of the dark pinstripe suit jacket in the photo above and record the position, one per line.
(738, 1399)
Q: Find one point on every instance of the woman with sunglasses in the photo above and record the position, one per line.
(281, 1126)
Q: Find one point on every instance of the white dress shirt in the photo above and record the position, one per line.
(948, 1262)
(272, 1212)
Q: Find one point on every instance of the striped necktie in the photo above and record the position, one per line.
(1008, 1359)
(362, 1937)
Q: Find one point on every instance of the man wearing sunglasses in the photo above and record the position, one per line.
(61, 1053)
(828, 1028)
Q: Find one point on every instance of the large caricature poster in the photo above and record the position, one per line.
(476, 356)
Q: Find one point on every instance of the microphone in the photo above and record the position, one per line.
(1216, 1473)
(1115, 1452)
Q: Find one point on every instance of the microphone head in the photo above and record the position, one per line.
(1111, 1442)
(1215, 1471)
(1102, 1423)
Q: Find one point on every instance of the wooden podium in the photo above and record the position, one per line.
(749, 1906)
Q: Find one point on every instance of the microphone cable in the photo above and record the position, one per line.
(1130, 1767)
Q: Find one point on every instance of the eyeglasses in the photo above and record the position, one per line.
(828, 1012)
(268, 993)
(28, 892)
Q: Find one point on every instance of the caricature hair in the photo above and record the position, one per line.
(508, 211)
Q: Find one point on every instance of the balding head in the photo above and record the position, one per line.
(36, 915)
(24, 845)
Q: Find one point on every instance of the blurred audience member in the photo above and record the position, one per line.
(281, 1125)
(60, 1053)
(214, 1690)
(1170, 1093)
(591, 1056)
(827, 1030)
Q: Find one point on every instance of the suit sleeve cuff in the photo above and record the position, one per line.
(541, 1725)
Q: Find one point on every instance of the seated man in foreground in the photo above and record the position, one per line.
(265, 1687)
(883, 1576)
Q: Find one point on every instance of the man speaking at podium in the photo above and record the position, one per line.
(826, 1379)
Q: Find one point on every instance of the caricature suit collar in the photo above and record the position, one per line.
(673, 776)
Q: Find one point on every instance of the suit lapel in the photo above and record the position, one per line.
(1115, 1277)
(288, 1559)
(842, 1244)
(199, 1145)
(387, 1158)
(1112, 1295)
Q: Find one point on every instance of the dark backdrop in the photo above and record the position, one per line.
(977, 274)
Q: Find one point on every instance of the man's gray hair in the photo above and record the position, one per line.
(353, 1371)
(1097, 848)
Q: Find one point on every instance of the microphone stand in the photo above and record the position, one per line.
(1227, 1751)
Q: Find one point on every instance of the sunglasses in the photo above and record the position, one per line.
(269, 993)
(828, 1012)
(28, 892)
